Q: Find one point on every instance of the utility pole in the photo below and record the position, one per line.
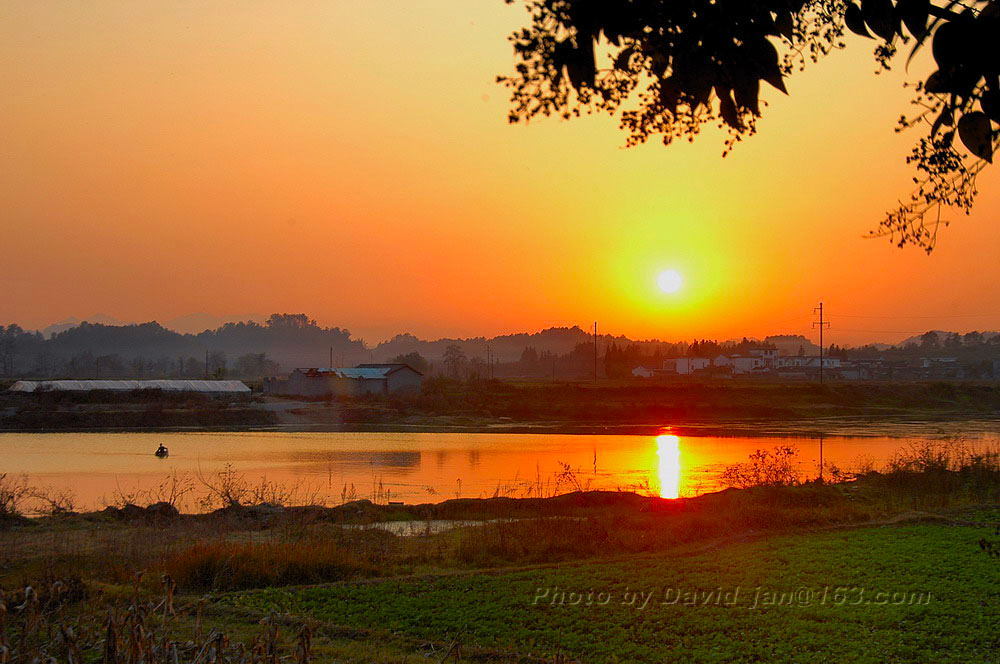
(595, 351)
(821, 324)
(331, 358)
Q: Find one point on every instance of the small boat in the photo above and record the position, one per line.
(161, 452)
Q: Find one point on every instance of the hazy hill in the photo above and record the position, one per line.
(942, 336)
(199, 322)
(791, 344)
(73, 321)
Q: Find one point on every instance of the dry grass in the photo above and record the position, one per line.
(59, 621)
(242, 565)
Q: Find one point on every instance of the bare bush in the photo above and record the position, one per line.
(14, 494)
(54, 501)
(226, 488)
(171, 490)
(775, 468)
(229, 488)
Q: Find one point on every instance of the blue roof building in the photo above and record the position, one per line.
(377, 379)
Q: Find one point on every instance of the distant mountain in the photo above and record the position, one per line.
(199, 322)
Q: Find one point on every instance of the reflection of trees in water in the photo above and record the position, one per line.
(400, 459)
(396, 459)
(473, 456)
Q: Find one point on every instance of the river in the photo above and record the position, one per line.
(97, 469)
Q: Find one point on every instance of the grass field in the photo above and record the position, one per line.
(910, 593)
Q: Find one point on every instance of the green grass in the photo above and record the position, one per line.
(956, 622)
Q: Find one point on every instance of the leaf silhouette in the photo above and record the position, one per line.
(976, 133)
(879, 16)
(855, 21)
(914, 14)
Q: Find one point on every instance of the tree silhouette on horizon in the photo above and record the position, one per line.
(668, 67)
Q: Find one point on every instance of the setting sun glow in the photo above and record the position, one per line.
(668, 449)
(225, 124)
(670, 281)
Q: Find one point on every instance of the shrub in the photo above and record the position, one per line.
(764, 468)
(14, 491)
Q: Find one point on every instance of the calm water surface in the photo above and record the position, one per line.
(411, 467)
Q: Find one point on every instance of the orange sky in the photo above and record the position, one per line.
(351, 159)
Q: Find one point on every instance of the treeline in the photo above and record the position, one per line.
(548, 344)
(148, 350)
(283, 342)
(457, 365)
(532, 363)
(966, 348)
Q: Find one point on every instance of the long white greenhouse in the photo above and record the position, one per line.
(206, 387)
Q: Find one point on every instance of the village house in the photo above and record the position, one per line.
(364, 379)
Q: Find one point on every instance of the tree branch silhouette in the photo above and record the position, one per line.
(667, 67)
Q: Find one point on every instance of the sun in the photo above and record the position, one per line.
(670, 281)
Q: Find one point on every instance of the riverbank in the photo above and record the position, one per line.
(902, 555)
(500, 530)
(883, 591)
(719, 408)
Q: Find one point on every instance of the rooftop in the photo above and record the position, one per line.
(369, 371)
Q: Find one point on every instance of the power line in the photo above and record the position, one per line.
(983, 315)
(851, 329)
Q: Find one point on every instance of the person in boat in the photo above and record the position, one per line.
(161, 451)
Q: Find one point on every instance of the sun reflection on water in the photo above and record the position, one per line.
(668, 449)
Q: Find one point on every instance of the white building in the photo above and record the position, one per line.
(740, 364)
(769, 355)
(807, 362)
(744, 364)
(688, 365)
(642, 372)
